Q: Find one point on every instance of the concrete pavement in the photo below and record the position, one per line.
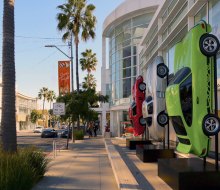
(84, 166)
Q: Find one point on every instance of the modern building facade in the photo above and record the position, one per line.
(172, 20)
(138, 31)
(122, 32)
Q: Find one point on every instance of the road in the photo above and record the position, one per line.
(25, 139)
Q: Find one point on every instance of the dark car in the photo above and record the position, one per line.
(48, 133)
(64, 133)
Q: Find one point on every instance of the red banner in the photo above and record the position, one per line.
(64, 76)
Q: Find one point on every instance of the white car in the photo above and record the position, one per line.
(153, 108)
(38, 129)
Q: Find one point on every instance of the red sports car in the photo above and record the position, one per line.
(135, 110)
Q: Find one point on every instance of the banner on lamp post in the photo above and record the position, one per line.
(64, 77)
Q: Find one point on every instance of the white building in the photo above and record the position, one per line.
(122, 32)
(136, 32)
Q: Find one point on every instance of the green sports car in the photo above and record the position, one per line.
(190, 94)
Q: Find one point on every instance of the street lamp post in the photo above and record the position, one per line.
(70, 57)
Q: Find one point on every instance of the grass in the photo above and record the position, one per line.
(21, 170)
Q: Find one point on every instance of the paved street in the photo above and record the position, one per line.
(34, 139)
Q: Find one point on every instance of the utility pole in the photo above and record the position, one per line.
(69, 57)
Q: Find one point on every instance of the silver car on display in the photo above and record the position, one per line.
(153, 108)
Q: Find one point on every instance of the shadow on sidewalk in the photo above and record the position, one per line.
(140, 178)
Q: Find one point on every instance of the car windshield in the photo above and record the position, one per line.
(186, 99)
(180, 75)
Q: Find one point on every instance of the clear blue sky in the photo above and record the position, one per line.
(35, 25)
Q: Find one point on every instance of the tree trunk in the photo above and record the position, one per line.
(8, 123)
(77, 68)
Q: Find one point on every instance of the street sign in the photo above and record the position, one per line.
(59, 108)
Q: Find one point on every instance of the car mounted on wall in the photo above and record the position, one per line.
(190, 95)
(135, 109)
(153, 107)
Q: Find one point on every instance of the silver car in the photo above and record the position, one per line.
(153, 108)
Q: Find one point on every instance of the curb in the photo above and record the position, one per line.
(124, 178)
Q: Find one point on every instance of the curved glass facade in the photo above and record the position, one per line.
(123, 42)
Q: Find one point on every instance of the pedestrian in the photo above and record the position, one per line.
(90, 129)
(96, 127)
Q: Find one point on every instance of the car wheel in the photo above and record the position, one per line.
(142, 86)
(162, 119)
(209, 45)
(142, 121)
(211, 125)
(162, 70)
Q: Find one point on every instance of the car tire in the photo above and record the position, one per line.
(162, 70)
(142, 86)
(162, 119)
(142, 121)
(209, 45)
(211, 125)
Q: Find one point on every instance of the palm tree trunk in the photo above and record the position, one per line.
(8, 123)
(43, 111)
(77, 68)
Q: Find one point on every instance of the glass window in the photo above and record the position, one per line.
(126, 72)
(134, 50)
(214, 17)
(127, 51)
(134, 71)
(127, 62)
(186, 99)
(178, 125)
(134, 60)
(126, 87)
(126, 43)
(180, 75)
(143, 19)
(139, 31)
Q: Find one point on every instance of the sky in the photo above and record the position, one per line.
(35, 27)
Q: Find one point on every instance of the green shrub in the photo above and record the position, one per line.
(21, 170)
(78, 134)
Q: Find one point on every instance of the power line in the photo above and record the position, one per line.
(34, 37)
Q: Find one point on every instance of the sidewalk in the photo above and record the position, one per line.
(84, 166)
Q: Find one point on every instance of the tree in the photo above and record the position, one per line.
(89, 82)
(43, 94)
(8, 122)
(76, 19)
(35, 115)
(88, 62)
(51, 96)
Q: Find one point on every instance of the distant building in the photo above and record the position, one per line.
(24, 106)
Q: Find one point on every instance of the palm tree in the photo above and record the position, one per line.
(88, 61)
(8, 122)
(42, 94)
(89, 82)
(76, 19)
(51, 96)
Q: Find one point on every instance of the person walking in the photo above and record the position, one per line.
(90, 129)
(95, 128)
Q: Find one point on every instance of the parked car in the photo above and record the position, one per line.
(38, 129)
(64, 133)
(135, 109)
(153, 107)
(48, 133)
(190, 94)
